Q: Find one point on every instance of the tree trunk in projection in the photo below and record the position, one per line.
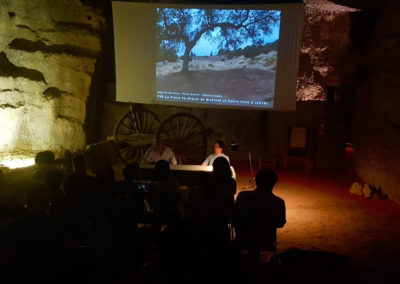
(186, 60)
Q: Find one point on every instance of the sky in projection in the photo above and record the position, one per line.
(204, 47)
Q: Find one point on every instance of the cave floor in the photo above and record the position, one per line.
(322, 215)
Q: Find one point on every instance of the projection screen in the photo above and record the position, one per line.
(235, 56)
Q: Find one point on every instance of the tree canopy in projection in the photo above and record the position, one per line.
(181, 29)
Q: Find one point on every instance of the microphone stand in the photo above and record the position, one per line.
(252, 173)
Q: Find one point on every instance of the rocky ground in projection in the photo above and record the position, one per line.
(239, 78)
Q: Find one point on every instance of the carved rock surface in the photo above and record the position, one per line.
(376, 123)
(48, 51)
(325, 59)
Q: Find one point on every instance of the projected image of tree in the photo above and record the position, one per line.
(228, 53)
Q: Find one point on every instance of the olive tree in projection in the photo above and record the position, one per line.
(181, 29)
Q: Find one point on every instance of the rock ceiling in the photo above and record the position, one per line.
(328, 6)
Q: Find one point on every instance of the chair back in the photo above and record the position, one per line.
(256, 236)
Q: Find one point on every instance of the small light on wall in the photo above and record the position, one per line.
(233, 146)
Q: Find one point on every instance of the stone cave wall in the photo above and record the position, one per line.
(376, 124)
(48, 52)
(325, 55)
(327, 60)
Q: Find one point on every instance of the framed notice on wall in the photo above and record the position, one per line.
(298, 141)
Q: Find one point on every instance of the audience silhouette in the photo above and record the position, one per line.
(35, 240)
(96, 229)
(44, 161)
(225, 187)
(165, 196)
(258, 214)
(60, 206)
(82, 190)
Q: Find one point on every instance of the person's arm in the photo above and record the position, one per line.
(147, 158)
(206, 161)
(173, 159)
(170, 157)
(237, 210)
(234, 186)
(281, 221)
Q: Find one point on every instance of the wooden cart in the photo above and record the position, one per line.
(138, 129)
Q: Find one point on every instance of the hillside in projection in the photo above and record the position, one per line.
(215, 56)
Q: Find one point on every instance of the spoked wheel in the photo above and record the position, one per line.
(187, 137)
(134, 133)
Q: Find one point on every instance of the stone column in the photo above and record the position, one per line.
(48, 51)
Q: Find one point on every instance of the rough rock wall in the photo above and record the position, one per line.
(325, 57)
(376, 125)
(48, 51)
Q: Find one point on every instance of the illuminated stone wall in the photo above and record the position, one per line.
(377, 116)
(325, 56)
(48, 51)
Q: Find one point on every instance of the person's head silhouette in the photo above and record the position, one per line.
(44, 159)
(162, 169)
(266, 179)
(221, 168)
(131, 171)
(80, 164)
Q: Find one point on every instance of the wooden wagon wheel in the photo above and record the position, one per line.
(134, 133)
(187, 137)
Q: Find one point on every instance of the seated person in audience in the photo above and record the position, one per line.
(54, 179)
(225, 187)
(82, 191)
(218, 152)
(197, 245)
(200, 204)
(107, 186)
(128, 186)
(36, 241)
(79, 185)
(129, 192)
(60, 206)
(159, 152)
(258, 214)
(165, 196)
(43, 161)
(122, 214)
